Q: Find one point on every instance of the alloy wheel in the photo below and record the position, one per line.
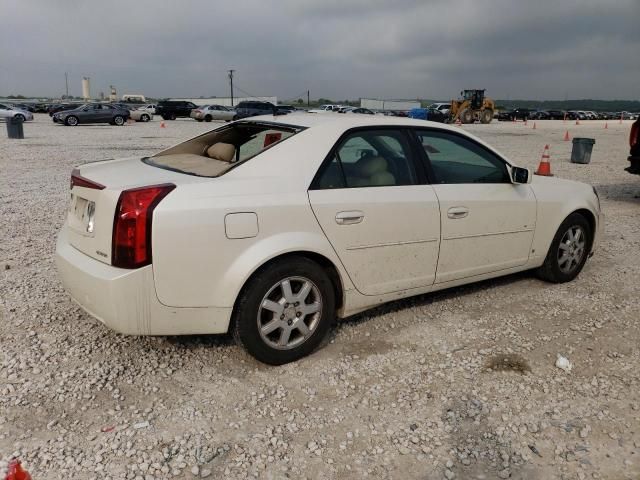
(289, 313)
(571, 249)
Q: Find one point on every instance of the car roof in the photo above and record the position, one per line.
(309, 120)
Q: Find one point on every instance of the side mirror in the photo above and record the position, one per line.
(520, 175)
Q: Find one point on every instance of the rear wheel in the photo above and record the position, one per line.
(207, 118)
(568, 251)
(486, 116)
(145, 117)
(71, 120)
(19, 117)
(285, 311)
(466, 116)
(172, 116)
(118, 120)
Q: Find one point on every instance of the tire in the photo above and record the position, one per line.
(165, 117)
(119, 120)
(145, 118)
(207, 118)
(285, 311)
(71, 121)
(19, 117)
(466, 116)
(486, 116)
(172, 116)
(567, 242)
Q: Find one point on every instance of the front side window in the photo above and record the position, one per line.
(455, 159)
(369, 158)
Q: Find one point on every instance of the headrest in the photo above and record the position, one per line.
(372, 165)
(222, 151)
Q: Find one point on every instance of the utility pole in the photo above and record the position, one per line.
(66, 83)
(308, 103)
(231, 80)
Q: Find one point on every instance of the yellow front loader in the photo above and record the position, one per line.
(473, 106)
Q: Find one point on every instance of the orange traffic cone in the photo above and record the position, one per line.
(534, 125)
(162, 125)
(606, 126)
(544, 168)
(16, 472)
(566, 136)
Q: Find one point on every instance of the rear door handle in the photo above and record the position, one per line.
(349, 218)
(457, 212)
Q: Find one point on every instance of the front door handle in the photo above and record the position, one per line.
(457, 212)
(349, 218)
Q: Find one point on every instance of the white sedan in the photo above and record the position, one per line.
(213, 112)
(273, 226)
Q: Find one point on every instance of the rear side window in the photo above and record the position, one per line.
(369, 158)
(455, 159)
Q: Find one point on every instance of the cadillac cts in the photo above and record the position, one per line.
(271, 227)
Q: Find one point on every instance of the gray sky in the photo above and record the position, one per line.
(542, 49)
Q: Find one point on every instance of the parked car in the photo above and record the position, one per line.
(514, 114)
(149, 108)
(213, 112)
(440, 116)
(634, 148)
(556, 114)
(8, 111)
(61, 107)
(443, 108)
(540, 115)
(284, 109)
(272, 228)
(92, 113)
(253, 108)
(172, 109)
(134, 113)
(576, 115)
(26, 107)
(360, 110)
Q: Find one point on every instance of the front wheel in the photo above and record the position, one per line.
(118, 120)
(19, 117)
(145, 117)
(487, 116)
(285, 311)
(568, 251)
(71, 121)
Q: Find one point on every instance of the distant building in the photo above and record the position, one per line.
(86, 88)
(375, 104)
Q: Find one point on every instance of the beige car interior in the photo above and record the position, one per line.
(370, 171)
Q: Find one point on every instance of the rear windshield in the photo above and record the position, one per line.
(218, 151)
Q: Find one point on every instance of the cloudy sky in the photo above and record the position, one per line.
(543, 49)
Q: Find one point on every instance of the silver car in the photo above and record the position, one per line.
(9, 111)
(212, 112)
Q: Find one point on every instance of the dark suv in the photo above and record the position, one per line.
(172, 109)
(251, 109)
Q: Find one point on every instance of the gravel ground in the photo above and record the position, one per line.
(403, 391)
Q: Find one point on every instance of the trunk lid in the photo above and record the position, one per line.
(92, 210)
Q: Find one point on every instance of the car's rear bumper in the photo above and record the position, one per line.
(125, 300)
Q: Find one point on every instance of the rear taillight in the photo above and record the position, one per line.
(131, 243)
(635, 133)
(79, 181)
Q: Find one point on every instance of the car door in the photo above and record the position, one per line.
(373, 203)
(487, 222)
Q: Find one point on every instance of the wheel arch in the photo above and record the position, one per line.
(591, 219)
(327, 265)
